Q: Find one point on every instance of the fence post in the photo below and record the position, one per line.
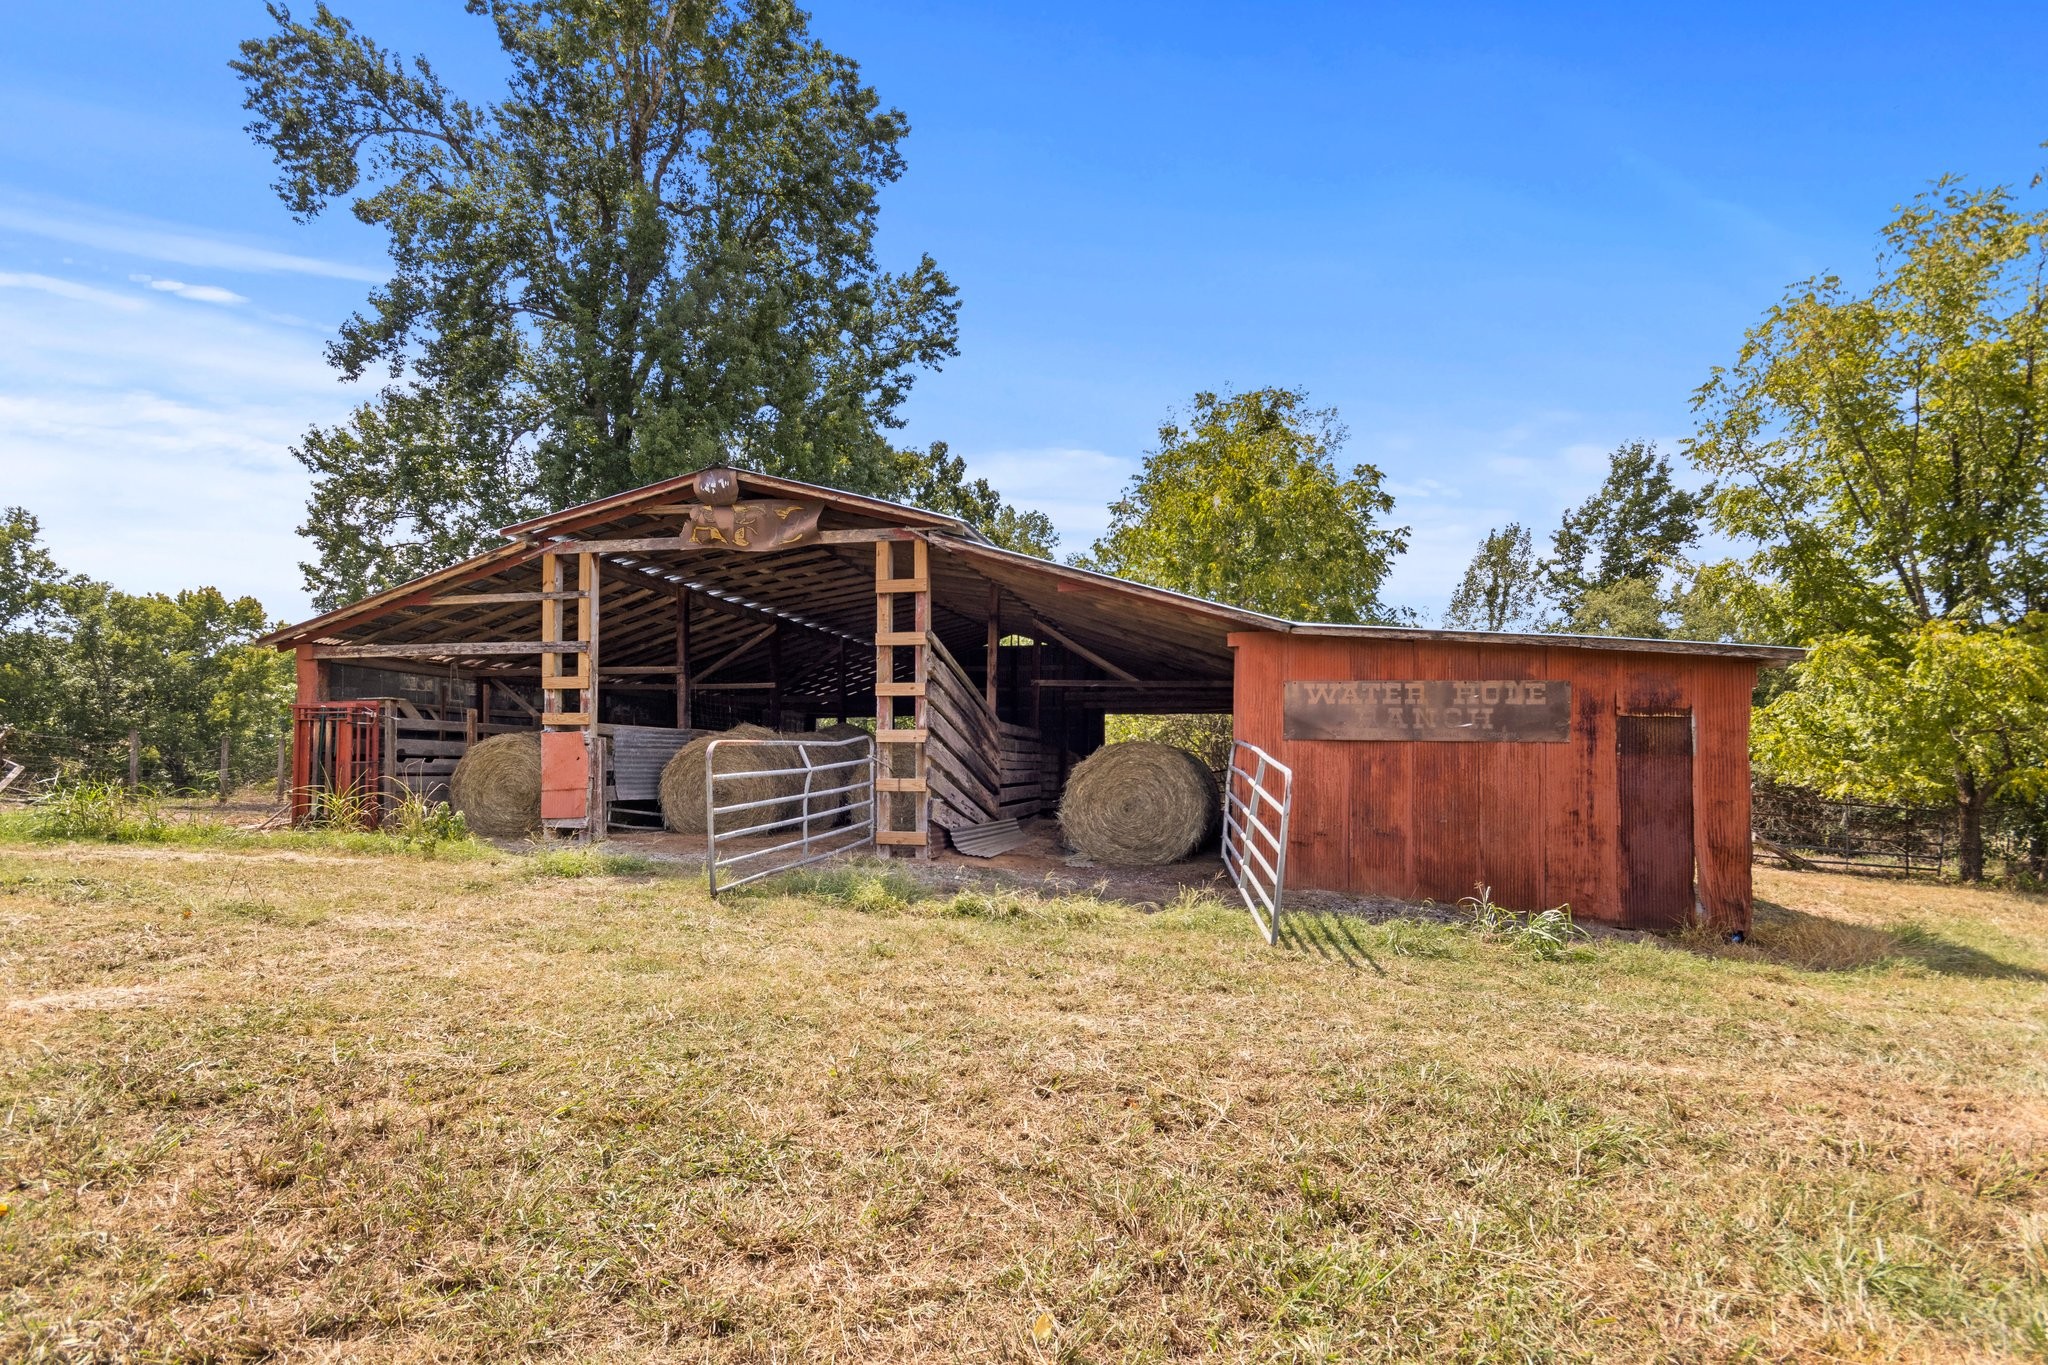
(222, 799)
(134, 759)
(284, 764)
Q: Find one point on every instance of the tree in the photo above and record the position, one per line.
(87, 663)
(1863, 721)
(1887, 452)
(1637, 527)
(1503, 586)
(654, 253)
(937, 480)
(1243, 503)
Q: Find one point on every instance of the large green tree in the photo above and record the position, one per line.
(654, 251)
(83, 663)
(1503, 585)
(1244, 502)
(1614, 553)
(1887, 450)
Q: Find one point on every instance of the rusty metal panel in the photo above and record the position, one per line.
(1483, 710)
(564, 776)
(1655, 780)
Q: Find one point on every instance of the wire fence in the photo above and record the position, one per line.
(1802, 827)
(197, 769)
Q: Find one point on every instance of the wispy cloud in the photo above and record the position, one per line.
(156, 241)
(115, 407)
(1072, 486)
(68, 289)
(198, 293)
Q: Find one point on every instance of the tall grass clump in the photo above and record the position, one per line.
(1549, 935)
(99, 812)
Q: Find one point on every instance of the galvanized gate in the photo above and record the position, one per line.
(832, 788)
(1258, 794)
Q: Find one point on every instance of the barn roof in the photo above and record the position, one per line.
(1144, 640)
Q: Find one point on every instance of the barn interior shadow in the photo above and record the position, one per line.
(1328, 936)
(1814, 943)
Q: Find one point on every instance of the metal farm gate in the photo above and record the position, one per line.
(337, 752)
(831, 789)
(1258, 794)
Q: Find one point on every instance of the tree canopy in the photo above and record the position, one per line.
(1503, 587)
(1888, 452)
(654, 252)
(1243, 502)
(83, 663)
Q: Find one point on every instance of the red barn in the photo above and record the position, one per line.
(1611, 775)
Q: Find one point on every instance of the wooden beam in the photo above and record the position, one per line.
(448, 649)
(477, 599)
(683, 659)
(1090, 655)
(995, 642)
(735, 652)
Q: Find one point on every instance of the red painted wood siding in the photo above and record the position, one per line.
(1539, 823)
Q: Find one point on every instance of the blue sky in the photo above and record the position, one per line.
(1500, 240)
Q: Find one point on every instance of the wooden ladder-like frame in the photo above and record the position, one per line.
(902, 823)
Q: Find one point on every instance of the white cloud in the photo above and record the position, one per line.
(153, 442)
(198, 293)
(68, 289)
(157, 241)
(1074, 487)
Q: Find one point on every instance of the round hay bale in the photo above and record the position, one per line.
(838, 777)
(496, 786)
(1139, 804)
(682, 783)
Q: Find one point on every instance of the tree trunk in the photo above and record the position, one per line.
(1970, 802)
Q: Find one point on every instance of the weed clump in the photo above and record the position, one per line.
(100, 812)
(1549, 935)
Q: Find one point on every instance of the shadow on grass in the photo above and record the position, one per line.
(1328, 936)
(1813, 943)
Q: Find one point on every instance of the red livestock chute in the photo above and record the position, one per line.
(337, 748)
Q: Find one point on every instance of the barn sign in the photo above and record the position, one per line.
(764, 524)
(1502, 710)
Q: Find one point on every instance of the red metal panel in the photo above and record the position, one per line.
(564, 775)
(1382, 813)
(1721, 790)
(1510, 776)
(1579, 808)
(1655, 786)
(1318, 833)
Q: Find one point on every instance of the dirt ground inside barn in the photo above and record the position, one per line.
(1044, 865)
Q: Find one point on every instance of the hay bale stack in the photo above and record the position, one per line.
(682, 783)
(1139, 804)
(496, 786)
(838, 777)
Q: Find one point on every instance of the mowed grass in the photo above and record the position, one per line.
(281, 1104)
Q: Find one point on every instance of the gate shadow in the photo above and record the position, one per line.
(1328, 935)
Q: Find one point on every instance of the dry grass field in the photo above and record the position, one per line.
(285, 1103)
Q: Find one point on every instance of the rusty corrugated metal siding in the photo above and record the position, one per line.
(1654, 774)
(1539, 823)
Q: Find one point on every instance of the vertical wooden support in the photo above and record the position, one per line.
(775, 678)
(842, 680)
(226, 752)
(134, 759)
(903, 791)
(682, 658)
(995, 642)
(570, 696)
(284, 764)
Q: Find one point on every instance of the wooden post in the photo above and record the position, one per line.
(775, 678)
(995, 641)
(284, 764)
(225, 743)
(590, 578)
(682, 658)
(905, 781)
(134, 759)
(842, 680)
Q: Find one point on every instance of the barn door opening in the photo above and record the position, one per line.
(1656, 820)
